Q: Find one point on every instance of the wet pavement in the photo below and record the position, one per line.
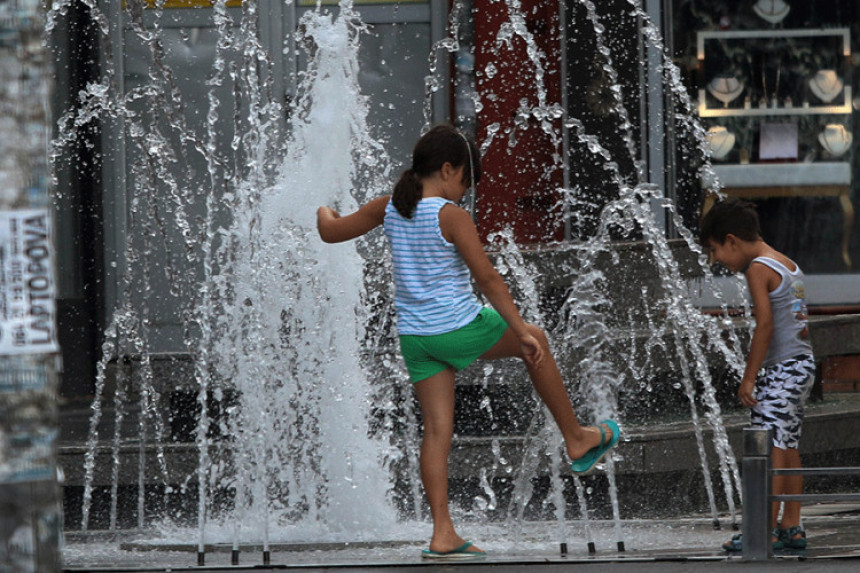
(667, 545)
(684, 544)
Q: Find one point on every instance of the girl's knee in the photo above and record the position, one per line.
(539, 334)
(438, 430)
(438, 436)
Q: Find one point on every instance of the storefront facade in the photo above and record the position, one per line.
(772, 84)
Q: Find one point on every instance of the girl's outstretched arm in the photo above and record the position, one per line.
(335, 229)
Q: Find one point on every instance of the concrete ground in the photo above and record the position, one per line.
(684, 544)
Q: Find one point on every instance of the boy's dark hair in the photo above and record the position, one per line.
(442, 144)
(730, 216)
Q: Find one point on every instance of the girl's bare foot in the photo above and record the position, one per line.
(591, 439)
(452, 544)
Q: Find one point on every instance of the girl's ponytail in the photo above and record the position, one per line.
(407, 193)
(442, 144)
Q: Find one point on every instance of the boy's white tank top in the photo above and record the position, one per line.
(432, 285)
(790, 318)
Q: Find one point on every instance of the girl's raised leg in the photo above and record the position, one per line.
(547, 381)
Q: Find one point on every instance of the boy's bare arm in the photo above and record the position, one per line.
(335, 229)
(760, 281)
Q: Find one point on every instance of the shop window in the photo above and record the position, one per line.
(774, 85)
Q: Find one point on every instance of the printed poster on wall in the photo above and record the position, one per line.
(27, 307)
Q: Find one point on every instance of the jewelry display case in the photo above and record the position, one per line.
(778, 72)
(778, 108)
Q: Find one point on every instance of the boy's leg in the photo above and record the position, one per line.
(781, 408)
(788, 458)
(781, 393)
(436, 397)
(549, 385)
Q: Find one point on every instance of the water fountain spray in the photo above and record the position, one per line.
(284, 346)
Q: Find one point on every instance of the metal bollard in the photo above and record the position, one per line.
(756, 494)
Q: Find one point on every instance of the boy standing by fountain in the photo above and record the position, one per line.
(780, 367)
(442, 326)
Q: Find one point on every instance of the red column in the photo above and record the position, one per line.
(519, 184)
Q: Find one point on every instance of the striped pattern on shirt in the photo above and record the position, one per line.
(432, 284)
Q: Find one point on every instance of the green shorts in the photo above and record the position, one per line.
(429, 355)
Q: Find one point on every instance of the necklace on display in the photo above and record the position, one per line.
(826, 85)
(765, 99)
(772, 11)
(725, 88)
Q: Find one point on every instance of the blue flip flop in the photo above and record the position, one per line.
(461, 552)
(585, 464)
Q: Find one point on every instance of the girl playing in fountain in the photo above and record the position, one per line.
(442, 326)
(780, 367)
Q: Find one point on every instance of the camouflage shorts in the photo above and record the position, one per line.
(781, 391)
